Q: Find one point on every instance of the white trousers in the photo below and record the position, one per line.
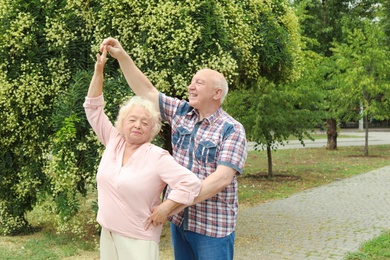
(116, 247)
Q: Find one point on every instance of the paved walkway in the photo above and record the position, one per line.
(321, 223)
(375, 137)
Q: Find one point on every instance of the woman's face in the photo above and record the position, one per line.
(137, 126)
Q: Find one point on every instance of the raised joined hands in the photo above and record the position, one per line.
(113, 47)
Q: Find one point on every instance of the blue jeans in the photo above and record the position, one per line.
(188, 245)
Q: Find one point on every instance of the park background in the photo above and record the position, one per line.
(292, 67)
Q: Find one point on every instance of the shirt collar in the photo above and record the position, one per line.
(209, 120)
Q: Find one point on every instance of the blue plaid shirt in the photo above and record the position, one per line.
(201, 146)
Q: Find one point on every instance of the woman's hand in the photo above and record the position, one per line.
(101, 60)
(96, 86)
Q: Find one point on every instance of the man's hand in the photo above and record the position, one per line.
(160, 214)
(113, 47)
(158, 217)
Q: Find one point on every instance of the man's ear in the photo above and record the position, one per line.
(217, 93)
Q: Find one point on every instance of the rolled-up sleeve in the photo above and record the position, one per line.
(184, 184)
(183, 195)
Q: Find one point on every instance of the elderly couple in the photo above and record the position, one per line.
(209, 150)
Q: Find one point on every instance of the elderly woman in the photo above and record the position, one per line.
(132, 175)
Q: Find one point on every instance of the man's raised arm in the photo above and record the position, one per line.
(137, 81)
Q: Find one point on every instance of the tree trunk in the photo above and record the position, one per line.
(331, 131)
(366, 137)
(269, 157)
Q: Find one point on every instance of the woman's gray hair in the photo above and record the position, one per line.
(150, 109)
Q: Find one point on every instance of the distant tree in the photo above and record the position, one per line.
(362, 74)
(322, 24)
(385, 19)
(273, 112)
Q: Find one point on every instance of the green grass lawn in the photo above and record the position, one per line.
(294, 170)
(376, 249)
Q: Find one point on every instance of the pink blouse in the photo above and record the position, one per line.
(127, 194)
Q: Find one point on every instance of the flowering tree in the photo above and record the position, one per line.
(42, 45)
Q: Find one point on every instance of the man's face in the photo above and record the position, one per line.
(202, 89)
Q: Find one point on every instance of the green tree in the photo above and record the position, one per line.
(171, 40)
(26, 92)
(385, 19)
(362, 76)
(273, 112)
(321, 20)
(42, 45)
(322, 24)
